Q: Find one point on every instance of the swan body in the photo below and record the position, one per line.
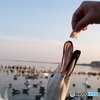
(1, 98)
(59, 81)
(5, 94)
(86, 82)
(0, 93)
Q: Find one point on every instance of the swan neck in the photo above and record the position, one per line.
(0, 92)
(5, 94)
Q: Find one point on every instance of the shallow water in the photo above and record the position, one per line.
(19, 83)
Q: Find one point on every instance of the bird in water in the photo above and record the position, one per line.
(86, 85)
(58, 83)
(0, 92)
(5, 93)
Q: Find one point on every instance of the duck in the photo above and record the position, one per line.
(15, 91)
(59, 80)
(26, 91)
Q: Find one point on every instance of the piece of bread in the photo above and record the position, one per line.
(74, 34)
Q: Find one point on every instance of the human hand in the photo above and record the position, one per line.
(87, 13)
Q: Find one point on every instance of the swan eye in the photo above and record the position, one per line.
(52, 75)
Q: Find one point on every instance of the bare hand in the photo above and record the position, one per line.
(87, 13)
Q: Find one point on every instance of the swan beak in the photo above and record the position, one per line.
(69, 58)
(72, 62)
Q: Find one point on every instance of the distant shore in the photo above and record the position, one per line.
(93, 63)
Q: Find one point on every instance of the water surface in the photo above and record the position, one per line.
(6, 79)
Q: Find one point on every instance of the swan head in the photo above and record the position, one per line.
(58, 82)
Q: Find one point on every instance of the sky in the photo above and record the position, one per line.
(37, 29)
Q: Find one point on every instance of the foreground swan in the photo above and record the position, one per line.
(58, 83)
(5, 94)
(0, 92)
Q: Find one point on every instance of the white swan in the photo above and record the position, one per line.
(86, 85)
(42, 75)
(0, 92)
(1, 97)
(58, 82)
(86, 82)
(82, 97)
(6, 94)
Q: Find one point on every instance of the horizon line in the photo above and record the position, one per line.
(29, 61)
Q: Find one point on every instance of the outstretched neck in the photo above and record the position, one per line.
(5, 94)
(0, 92)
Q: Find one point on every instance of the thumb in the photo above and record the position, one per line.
(84, 22)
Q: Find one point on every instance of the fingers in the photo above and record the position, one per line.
(81, 18)
(77, 16)
(83, 23)
(85, 28)
(87, 13)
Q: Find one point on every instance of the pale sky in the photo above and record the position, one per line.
(37, 29)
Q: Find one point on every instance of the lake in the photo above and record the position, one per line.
(77, 78)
